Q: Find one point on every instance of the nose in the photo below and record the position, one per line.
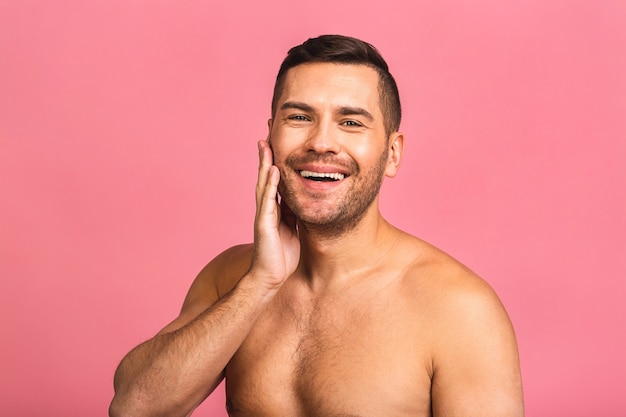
(322, 139)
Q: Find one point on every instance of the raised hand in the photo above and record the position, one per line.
(276, 243)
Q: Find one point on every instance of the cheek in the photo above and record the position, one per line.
(282, 146)
(277, 156)
(361, 150)
(276, 147)
(366, 153)
(279, 159)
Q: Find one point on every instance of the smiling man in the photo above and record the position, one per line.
(332, 311)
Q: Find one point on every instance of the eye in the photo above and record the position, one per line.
(352, 123)
(298, 117)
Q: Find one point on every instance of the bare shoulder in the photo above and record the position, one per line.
(475, 363)
(221, 274)
(463, 309)
(444, 284)
(217, 278)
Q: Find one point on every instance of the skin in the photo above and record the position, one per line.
(331, 311)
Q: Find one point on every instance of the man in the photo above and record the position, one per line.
(331, 311)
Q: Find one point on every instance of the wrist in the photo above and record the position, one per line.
(258, 286)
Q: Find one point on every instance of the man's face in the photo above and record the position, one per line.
(329, 142)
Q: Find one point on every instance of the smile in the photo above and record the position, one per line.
(322, 176)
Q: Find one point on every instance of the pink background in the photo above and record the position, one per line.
(128, 160)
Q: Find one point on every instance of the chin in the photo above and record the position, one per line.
(331, 223)
(316, 217)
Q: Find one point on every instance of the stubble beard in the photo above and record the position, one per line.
(348, 212)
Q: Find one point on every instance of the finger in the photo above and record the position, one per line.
(267, 205)
(271, 187)
(265, 162)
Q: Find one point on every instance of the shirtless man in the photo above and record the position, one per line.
(331, 311)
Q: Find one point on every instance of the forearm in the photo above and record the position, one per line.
(173, 372)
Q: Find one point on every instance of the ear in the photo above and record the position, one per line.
(269, 129)
(396, 148)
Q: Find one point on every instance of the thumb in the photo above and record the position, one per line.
(287, 216)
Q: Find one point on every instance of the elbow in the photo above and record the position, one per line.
(121, 408)
(114, 408)
(117, 409)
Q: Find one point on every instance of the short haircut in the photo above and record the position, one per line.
(340, 49)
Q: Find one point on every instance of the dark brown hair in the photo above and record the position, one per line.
(345, 50)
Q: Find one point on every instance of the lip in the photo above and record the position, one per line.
(323, 169)
(318, 186)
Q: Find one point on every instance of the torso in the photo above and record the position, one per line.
(362, 351)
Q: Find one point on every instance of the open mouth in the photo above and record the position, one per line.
(322, 176)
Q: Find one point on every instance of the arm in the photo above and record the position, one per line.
(476, 364)
(172, 373)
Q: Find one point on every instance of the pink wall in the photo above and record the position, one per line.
(127, 161)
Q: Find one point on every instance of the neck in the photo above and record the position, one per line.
(329, 259)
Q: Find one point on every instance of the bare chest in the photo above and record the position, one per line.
(335, 358)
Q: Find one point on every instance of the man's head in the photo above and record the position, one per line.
(331, 132)
(345, 50)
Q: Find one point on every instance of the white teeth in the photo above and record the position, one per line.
(334, 175)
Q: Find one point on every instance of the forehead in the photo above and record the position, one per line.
(330, 84)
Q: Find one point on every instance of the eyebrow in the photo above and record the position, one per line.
(343, 110)
(297, 106)
(349, 111)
